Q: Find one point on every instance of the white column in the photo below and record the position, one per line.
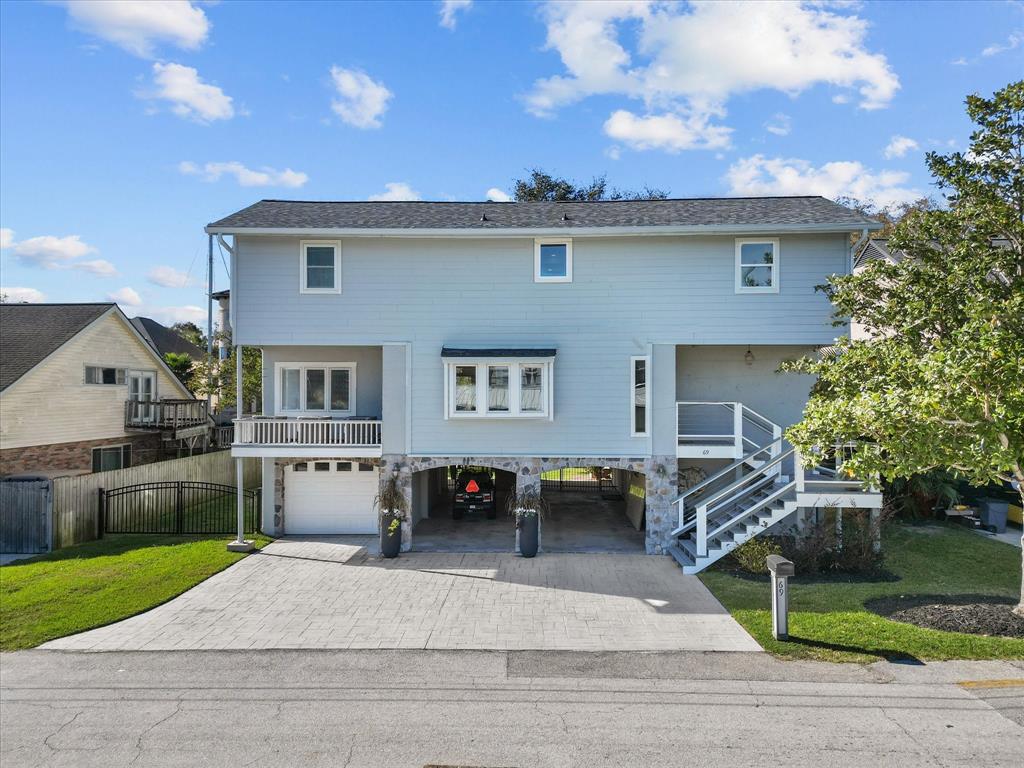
(239, 409)
(240, 495)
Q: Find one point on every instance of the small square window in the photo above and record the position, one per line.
(320, 266)
(301, 467)
(344, 466)
(757, 265)
(552, 261)
(321, 466)
(365, 467)
(95, 374)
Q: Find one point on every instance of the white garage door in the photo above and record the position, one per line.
(325, 497)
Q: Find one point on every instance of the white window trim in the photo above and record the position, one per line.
(515, 388)
(775, 265)
(121, 368)
(336, 245)
(537, 243)
(632, 390)
(279, 409)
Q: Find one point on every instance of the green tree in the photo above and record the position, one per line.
(940, 385)
(182, 365)
(890, 215)
(218, 377)
(540, 185)
(190, 332)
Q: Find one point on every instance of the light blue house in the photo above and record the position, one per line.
(639, 338)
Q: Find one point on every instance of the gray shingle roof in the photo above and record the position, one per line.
(712, 212)
(164, 339)
(29, 333)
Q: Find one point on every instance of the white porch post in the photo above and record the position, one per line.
(239, 544)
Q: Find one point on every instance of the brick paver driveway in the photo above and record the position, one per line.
(312, 594)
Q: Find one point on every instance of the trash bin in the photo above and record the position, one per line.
(993, 514)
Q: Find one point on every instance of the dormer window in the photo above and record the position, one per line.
(552, 261)
(757, 265)
(320, 266)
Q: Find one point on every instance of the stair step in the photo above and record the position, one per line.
(680, 556)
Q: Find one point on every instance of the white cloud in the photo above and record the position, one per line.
(670, 132)
(498, 195)
(189, 96)
(1012, 43)
(760, 175)
(169, 277)
(98, 267)
(126, 296)
(689, 59)
(6, 237)
(396, 190)
(49, 252)
(450, 10)
(246, 177)
(780, 124)
(172, 315)
(899, 146)
(139, 26)
(20, 295)
(361, 100)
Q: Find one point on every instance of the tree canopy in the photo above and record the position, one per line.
(940, 382)
(540, 185)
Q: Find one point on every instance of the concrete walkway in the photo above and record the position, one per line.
(311, 593)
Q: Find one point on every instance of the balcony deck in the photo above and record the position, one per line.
(267, 436)
(179, 418)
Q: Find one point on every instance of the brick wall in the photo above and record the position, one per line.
(76, 457)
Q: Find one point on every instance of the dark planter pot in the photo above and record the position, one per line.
(390, 542)
(529, 535)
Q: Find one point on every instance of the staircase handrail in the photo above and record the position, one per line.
(762, 470)
(722, 472)
(747, 511)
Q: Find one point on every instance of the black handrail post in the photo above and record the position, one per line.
(101, 512)
(257, 516)
(179, 510)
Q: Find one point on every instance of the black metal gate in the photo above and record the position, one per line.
(176, 506)
(596, 479)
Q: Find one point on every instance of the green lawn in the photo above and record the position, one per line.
(99, 582)
(828, 619)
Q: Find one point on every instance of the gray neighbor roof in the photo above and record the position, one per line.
(711, 212)
(164, 339)
(29, 333)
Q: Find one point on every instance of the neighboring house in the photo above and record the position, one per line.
(644, 337)
(166, 340)
(81, 391)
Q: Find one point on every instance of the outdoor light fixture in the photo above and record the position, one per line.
(749, 357)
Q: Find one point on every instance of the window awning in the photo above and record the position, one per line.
(504, 353)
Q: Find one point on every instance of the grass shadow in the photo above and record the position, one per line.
(889, 654)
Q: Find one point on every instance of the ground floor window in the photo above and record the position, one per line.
(111, 457)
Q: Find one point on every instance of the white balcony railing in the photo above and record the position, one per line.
(716, 429)
(274, 431)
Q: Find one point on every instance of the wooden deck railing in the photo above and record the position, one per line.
(261, 430)
(164, 414)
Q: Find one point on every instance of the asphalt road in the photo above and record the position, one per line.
(498, 710)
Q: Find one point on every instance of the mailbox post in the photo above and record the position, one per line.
(781, 569)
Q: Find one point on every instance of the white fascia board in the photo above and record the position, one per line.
(704, 229)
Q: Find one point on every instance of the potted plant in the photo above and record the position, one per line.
(528, 507)
(391, 512)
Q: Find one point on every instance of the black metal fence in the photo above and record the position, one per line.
(596, 479)
(176, 506)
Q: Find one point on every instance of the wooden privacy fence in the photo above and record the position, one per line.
(26, 516)
(76, 499)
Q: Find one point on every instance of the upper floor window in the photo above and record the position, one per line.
(757, 265)
(498, 389)
(639, 424)
(552, 261)
(95, 374)
(320, 266)
(327, 389)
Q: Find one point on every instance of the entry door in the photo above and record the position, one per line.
(142, 389)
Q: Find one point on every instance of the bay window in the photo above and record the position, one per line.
(315, 389)
(486, 388)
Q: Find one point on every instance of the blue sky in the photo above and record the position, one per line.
(125, 127)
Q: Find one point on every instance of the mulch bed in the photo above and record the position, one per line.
(972, 614)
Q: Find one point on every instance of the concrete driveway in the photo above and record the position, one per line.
(324, 593)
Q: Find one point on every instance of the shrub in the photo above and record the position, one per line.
(750, 556)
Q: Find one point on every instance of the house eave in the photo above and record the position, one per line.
(481, 232)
